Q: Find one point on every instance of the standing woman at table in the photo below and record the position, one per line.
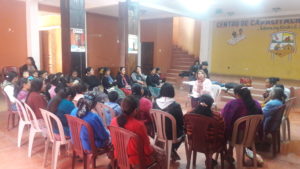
(29, 66)
(201, 86)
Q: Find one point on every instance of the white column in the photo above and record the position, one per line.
(205, 43)
(33, 39)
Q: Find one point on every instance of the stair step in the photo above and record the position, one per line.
(179, 66)
(257, 91)
(172, 79)
(191, 61)
(182, 54)
(174, 70)
(187, 58)
(258, 85)
(179, 52)
(172, 74)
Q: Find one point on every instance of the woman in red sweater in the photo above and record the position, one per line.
(128, 121)
(34, 99)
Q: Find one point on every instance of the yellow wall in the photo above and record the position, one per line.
(251, 56)
(49, 20)
(186, 34)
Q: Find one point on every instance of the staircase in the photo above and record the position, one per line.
(181, 61)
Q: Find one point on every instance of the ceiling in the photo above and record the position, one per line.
(218, 9)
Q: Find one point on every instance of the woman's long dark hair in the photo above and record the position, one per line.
(63, 93)
(204, 106)
(36, 86)
(32, 62)
(245, 94)
(86, 104)
(19, 86)
(129, 105)
(137, 90)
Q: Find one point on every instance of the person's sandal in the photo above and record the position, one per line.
(249, 154)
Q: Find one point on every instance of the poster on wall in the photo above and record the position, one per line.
(77, 40)
(132, 44)
(262, 47)
(236, 37)
(282, 39)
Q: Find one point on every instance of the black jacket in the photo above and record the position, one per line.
(121, 83)
(152, 80)
(175, 110)
(91, 81)
(106, 84)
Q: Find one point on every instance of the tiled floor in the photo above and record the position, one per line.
(12, 157)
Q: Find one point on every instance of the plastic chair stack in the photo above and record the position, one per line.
(200, 139)
(51, 121)
(7, 69)
(243, 137)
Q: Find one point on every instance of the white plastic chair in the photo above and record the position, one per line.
(56, 139)
(286, 120)
(159, 118)
(24, 120)
(37, 126)
(216, 91)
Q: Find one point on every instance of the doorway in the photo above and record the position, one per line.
(147, 56)
(50, 47)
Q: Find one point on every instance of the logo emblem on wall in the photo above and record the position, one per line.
(283, 44)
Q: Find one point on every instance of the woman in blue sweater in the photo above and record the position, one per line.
(84, 112)
(277, 99)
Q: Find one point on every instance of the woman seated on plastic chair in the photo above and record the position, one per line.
(277, 99)
(201, 86)
(145, 105)
(9, 87)
(153, 83)
(204, 108)
(128, 121)
(243, 105)
(124, 81)
(167, 103)
(61, 105)
(84, 112)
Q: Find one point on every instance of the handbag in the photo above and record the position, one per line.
(246, 81)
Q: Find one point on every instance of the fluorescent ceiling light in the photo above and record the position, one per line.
(252, 2)
(197, 6)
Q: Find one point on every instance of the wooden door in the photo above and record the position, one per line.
(147, 56)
